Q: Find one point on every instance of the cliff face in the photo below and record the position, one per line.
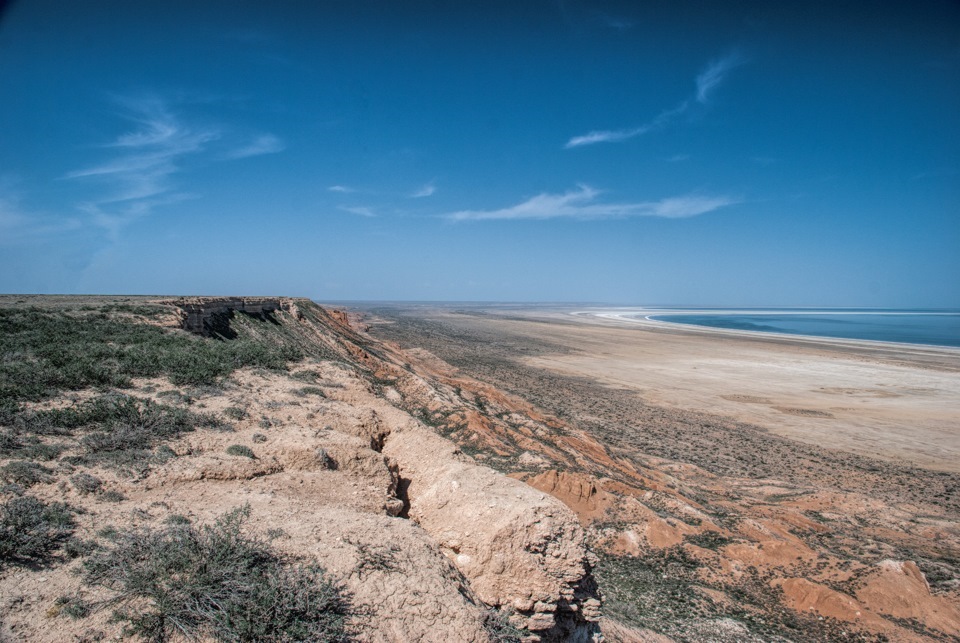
(517, 549)
(426, 544)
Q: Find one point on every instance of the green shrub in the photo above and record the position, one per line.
(235, 412)
(215, 582)
(86, 483)
(119, 431)
(241, 450)
(51, 350)
(72, 606)
(30, 530)
(76, 547)
(258, 438)
(13, 443)
(36, 450)
(12, 489)
(25, 473)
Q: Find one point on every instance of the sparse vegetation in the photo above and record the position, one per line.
(500, 630)
(372, 558)
(235, 412)
(241, 450)
(25, 473)
(216, 581)
(259, 438)
(86, 483)
(72, 606)
(118, 431)
(77, 547)
(309, 390)
(708, 540)
(45, 350)
(31, 530)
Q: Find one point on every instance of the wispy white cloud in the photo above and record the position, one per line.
(360, 211)
(713, 75)
(139, 177)
(614, 136)
(606, 136)
(427, 190)
(341, 188)
(706, 82)
(265, 144)
(582, 203)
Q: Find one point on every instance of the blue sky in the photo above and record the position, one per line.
(727, 153)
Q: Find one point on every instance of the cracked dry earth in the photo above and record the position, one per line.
(708, 527)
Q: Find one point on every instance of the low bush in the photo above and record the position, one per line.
(118, 431)
(31, 530)
(258, 438)
(241, 450)
(25, 473)
(215, 582)
(72, 606)
(53, 350)
(86, 483)
(235, 412)
(76, 547)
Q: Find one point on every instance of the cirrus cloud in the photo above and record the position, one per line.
(582, 203)
(706, 82)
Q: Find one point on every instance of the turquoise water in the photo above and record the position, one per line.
(937, 329)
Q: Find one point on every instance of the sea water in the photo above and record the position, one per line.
(912, 327)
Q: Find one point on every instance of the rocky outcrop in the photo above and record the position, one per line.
(200, 314)
(521, 550)
(517, 549)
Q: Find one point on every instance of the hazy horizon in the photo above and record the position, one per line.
(753, 154)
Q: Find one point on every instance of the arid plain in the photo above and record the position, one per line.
(897, 402)
(813, 476)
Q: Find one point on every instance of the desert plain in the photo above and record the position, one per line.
(893, 401)
(819, 465)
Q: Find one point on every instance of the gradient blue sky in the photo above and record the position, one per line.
(726, 153)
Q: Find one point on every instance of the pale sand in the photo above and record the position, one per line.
(895, 402)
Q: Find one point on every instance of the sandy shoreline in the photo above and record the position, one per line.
(896, 402)
(647, 317)
(899, 402)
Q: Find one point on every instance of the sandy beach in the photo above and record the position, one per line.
(892, 401)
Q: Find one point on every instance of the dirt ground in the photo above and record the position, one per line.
(896, 403)
(747, 480)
